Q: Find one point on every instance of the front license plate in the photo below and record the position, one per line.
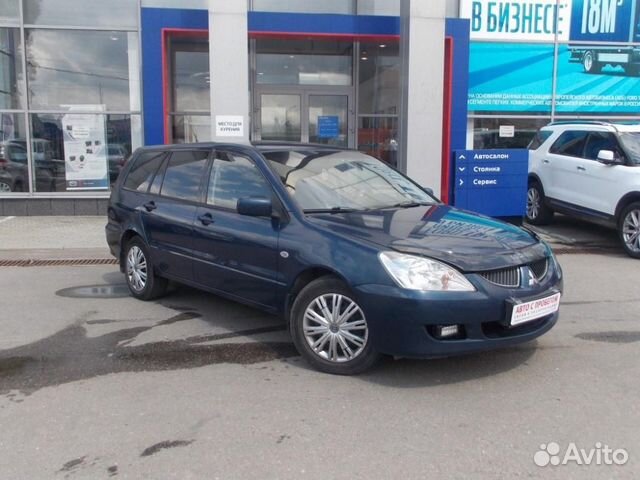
(541, 307)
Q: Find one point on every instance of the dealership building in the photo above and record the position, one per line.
(83, 83)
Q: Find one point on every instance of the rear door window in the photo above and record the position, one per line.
(143, 170)
(570, 143)
(184, 173)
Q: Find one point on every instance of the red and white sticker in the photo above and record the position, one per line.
(527, 311)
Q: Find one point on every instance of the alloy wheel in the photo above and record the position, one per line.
(533, 203)
(136, 268)
(335, 328)
(588, 61)
(4, 187)
(631, 230)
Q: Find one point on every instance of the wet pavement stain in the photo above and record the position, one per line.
(611, 337)
(71, 464)
(153, 449)
(95, 291)
(69, 355)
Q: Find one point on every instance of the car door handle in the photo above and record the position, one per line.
(546, 161)
(206, 219)
(581, 168)
(150, 206)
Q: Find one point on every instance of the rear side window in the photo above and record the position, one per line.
(183, 175)
(142, 171)
(570, 143)
(539, 139)
(234, 177)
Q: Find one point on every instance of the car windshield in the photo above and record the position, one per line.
(343, 180)
(631, 143)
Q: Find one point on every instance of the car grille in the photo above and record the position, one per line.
(510, 277)
(539, 268)
(505, 277)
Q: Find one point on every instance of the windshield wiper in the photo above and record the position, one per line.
(333, 210)
(409, 204)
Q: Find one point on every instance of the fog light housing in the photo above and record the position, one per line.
(447, 332)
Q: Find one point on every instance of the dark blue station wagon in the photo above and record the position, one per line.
(359, 259)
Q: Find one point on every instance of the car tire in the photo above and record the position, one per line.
(538, 212)
(629, 229)
(143, 283)
(590, 64)
(5, 187)
(320, 335)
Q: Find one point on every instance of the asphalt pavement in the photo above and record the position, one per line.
(94, 384)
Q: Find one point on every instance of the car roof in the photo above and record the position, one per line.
(621, 126)
(261, 146)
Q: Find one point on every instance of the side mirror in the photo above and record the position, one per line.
(255, 206)
(607, 157)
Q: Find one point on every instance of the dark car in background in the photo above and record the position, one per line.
(13, 167)
(360, 260)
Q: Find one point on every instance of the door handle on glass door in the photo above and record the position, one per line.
(206, 219)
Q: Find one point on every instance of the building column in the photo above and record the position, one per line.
(422, 31)
(229, 71)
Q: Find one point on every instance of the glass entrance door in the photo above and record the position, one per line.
(305, 116)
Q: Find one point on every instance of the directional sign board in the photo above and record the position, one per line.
(492, 182)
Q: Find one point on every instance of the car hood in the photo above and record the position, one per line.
(465, 240)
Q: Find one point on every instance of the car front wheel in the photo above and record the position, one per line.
(629, 229)
(538, 213)
(330, 329)
(142, 282)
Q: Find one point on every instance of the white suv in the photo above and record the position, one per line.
(587, 169)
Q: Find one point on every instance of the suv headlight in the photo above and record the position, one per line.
(419, 273)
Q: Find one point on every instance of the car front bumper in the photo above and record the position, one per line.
(401, 321)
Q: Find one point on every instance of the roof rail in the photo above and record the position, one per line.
(581, 122)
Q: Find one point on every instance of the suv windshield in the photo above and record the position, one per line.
(631, 143)
(343, 180)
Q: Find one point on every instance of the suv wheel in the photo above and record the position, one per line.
(142, 282)
(629, 229)
(330, 330)
(4, 187)
(589, 62)
(538, 213)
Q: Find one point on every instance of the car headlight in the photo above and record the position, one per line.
(419, 273)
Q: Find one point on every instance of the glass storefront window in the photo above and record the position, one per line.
(11, 78)
(379, 78)
(14, 172)
(378, 137)
(10, 11)
(190, 75)
(82, 13)
(491, 133)
(80, 152)
(304, 6)
(379, 7)
(68, 69)
(190, 128)
(304, 62)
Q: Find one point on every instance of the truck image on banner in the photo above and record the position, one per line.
(605, 21)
